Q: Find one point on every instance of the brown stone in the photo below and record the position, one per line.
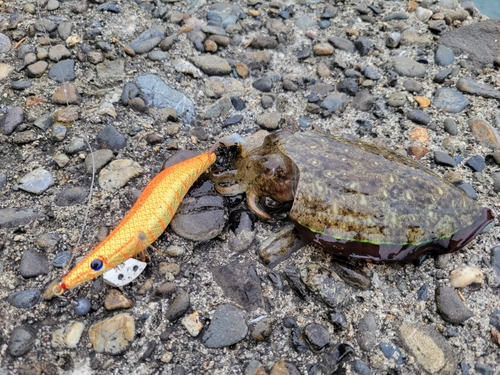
(66, 94)
(423, 102)
(115, 300)
(418, 151)
(419, 134)
(323, 70)
(210, 45)
(67, 115)
(241, 69)
(412, 6)
(484, 132)
(322, 49)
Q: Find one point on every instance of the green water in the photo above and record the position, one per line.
(490, 8)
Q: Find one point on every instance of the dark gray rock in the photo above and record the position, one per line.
(156, 93)
(24, 299)
(412, 86)
(348, 86)
(21, 84)
(475, 40)
(450, 126)
(317, 336)
(21, 341)
(449, 100)
(63, 71)
(442, 158)
(366, 332)
(343, 44)
(13, 118)
(470, 86)
(450, 306)
(71, 196)
(111, 139)
(371, 73)
(363, 101)
(476, 163)
(468, 189)
(263, 84)
(363, 45)
(62, 259)
(442, 75)
(360, 368)
(408, 68)
(334, 101)
(495, 263)
(178, 307)
(33, 264)
(226, 328)
(396, 16)
(419, 117)
(241, 284)
(444, 56)
(14, 217)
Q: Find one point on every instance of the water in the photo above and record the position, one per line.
(490, 8)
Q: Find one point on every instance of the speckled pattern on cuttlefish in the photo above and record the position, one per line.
(353, 190)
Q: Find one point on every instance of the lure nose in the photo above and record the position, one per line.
(59, 289)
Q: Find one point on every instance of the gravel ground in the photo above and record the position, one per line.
(143, 80)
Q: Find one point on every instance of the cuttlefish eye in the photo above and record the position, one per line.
(96, 264)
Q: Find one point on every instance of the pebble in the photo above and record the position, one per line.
(111, 139)
(429, 348)
(363, 101)
(397, 99)
(24, 299)
(408, 68)
(391, 351)
(71, 196)
(21, 340)
(418, 117)
(227, 327)
(178, 307)
(367, 332)
(468, 189)
(59, 52)
(68, 336)
(470, 86)
(118, 173)
(466, 275)
(116, 300)
(326, 285)
(444, 56)
(254, 367)
(212, 65)
(62, 259)
(36, 182)
(67, 115)
(334, 102)
(495, 263)
(363, 45)
(148, 40)
(156, 93)
(12, 119)
(240, 283)
(423, 102)
(16, 217)
(114, 335)
(476, 163)
(33, 264)
(449, 100)
(450, 306)
(317, 336)
(59, 132)
(450, 126)
(66, 94)
(279, 246)
(21, 84)
(63, 71)
(412, 86)
(484, 132)
(268, 120)
(200, 218)
(342, 44)
(220, 108)
(263, 84)
(393, 39)
(44, 121)
(262, 329)
(442, 158)
(192, 323)
(323, 49)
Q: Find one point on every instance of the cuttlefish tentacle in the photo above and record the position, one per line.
(254, 206)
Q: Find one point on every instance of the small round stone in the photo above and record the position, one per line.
(82, 306)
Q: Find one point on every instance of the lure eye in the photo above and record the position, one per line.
(96, 264)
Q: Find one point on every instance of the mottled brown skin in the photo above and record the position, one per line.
(356, 199)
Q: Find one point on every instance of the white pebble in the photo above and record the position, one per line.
(463, 276)
(73, 334)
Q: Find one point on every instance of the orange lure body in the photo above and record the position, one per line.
(143, 224)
